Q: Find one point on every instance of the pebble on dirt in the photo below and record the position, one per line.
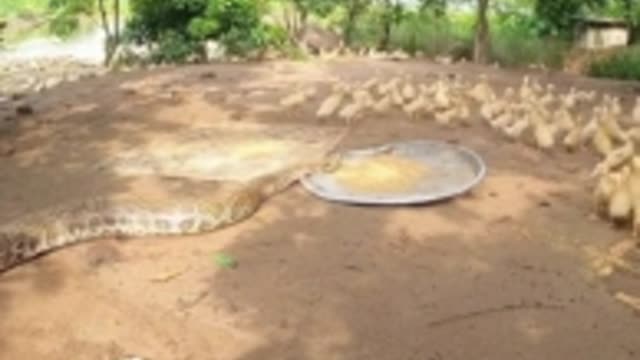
(24, 109)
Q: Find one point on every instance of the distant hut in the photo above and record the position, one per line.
(602, 33)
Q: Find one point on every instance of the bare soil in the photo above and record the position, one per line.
(500, 273)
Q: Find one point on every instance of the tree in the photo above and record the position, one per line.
(482, 41)
(235, 23)
(112, 32)
(304, 9)
(177, 30)
(354, 8)
(392, 14)
(439, 7)
(560, 16)
(67, 15)
(630, 11)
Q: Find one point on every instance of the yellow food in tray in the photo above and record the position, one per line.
(381, 173)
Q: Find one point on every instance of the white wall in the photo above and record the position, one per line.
(604, 38)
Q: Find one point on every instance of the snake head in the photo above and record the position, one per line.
(331, 163)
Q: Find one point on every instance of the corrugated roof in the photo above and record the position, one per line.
(602, 21)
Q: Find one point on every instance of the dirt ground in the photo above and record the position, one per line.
(500, 273)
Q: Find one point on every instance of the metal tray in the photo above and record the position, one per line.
(456, 171)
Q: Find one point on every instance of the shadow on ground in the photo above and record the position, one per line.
(493, 275)
(496, 274)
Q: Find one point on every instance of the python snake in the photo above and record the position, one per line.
(52, 229)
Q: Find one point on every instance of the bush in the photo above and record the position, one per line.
(180, 27)
(67, 15)
(516, 42)
(623, 65)
(21, 8)
(514, 51)
(558, 18)
(368, 28)
(174, 47)
(434, 35)
(418, 31)
(236, 23)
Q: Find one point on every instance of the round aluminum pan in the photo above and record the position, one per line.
(454, 171)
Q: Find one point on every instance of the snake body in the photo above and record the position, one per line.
(101, 217)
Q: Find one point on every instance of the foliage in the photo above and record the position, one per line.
(9, 8)
(522, 31)
(558, 17)
(417, 31)
(29, 24)
(517, 19)
(627, 9)
(433, 35)
(180, 27)
(368, 30)
(392, 14)
(153, 19)
(236, 23)
(515, 34)
(624, 9)
(66, 15)
(352, 11)
(516, 41)
(369, 23)
(317, 7)
(624, 64)
(173, 47)
(510, 50)
(438, 7)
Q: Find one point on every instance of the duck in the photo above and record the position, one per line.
(620, 206)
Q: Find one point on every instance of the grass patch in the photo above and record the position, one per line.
(623, 65)
(420, 32)
(515, 51)
(434, 36)
(516, 42)
(22, 8)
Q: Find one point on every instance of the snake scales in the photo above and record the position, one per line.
(52, 229)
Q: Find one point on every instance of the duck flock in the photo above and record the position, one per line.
(531, 113)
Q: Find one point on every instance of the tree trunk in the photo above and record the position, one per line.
(288, 14)
(300, 16)
(482, 43)
(387, 21)
(116, 14)
(108, 44)
(103, 16)
(114, 42)
(304, 18)
(352, 13)
(112, 35)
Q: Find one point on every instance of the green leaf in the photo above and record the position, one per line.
(225, 261)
